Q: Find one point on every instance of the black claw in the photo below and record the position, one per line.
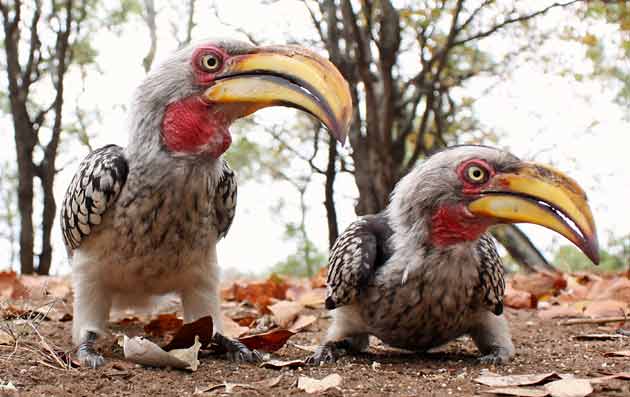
(86, 353)
(497, 357)
(328, 353)
(235, 351)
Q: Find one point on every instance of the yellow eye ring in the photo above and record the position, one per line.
(476, 174)
(210, 62)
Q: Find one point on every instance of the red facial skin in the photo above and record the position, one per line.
(452, 224)
(192, 125)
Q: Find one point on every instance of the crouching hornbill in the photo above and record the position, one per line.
(144, 220)
(424, 271)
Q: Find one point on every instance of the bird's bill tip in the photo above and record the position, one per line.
(286, 76)
(544, 196)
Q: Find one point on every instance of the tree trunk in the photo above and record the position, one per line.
(375, 179)
(521, 249)
(48, 215)
(25, 201)
(329, 200)
(24, 142)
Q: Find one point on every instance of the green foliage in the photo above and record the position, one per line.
(83, 52)
(607, 52)
(614, 258)
(244, 157)
(307, 259)
(118, 16)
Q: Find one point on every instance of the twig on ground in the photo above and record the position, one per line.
(603, 320)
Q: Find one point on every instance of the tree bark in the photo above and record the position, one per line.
(329, 188)
(23, 133)
(520, 248)
(47, 170)
(21, 78)
(364, 40)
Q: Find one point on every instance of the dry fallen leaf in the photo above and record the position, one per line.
(229, 387)
(620, 353)
(279, 364)
(232, 329)
(605, 308)
(259, 293)
(302, 322)
(319, 280)
(126, 321)
(311, 385)
(516, 380)
(142, 351)
(569, 387)
(518, 391)
(617, 288)
(602, 379)
(46, 286)
(313, 299)
(11, 287)
(164, 324)
(285, 312)
(268, 341)
(187, 334)
(243, 313)
(539, 284)
(560, 311)
(518, 299)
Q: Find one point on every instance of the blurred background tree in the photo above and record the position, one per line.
(615, 257)
(416, 69)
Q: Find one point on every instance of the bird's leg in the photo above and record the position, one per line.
(86, 353)
(330, 351)
(91, 310)
(492, 337)
(200, 301)
(234, 350)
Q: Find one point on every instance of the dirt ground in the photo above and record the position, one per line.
(542, 346)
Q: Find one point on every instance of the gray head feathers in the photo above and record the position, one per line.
(169, 81)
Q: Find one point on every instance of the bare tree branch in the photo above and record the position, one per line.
(190, 24)
(316, 23)
(34, 46)
(149, 16)
(510, 21)
(473, 14)
(277, 136)
(236, 28)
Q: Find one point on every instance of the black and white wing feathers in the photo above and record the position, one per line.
(225, 201)
(94, 188)
(491, 279)
(354, 257)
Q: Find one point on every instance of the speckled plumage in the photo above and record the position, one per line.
(142, 221)
(386, 278)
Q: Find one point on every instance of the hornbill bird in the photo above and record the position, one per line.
(144, 220)
(425, 271)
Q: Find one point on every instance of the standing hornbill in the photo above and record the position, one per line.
(425, 271)
(144, 220)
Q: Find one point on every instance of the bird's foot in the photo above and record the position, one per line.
(235, 351)
(328, 353)
(86, 353)
(497, 356)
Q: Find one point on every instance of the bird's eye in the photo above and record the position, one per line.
(476, 174)
(210, 62)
